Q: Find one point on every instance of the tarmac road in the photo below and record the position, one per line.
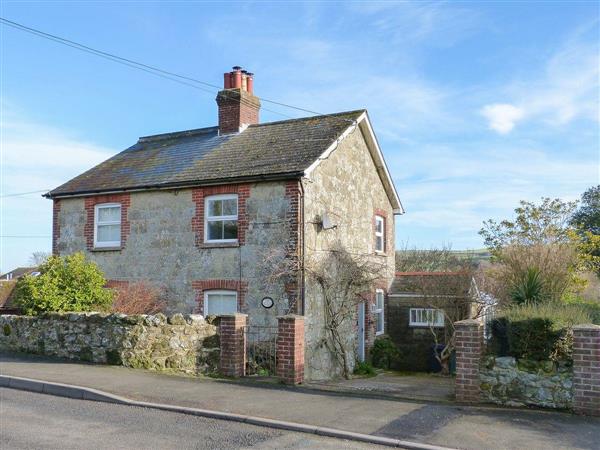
(38, 421)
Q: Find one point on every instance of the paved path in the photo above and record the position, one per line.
(37, 421)
(440, 424)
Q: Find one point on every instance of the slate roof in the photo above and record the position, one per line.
(195, 157)
(432, 283)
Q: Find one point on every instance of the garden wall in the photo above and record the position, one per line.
(185, 343)
(507, 382)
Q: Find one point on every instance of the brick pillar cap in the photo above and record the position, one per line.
(240, 315)
(290, 317)
(467, 323)
(586, 327)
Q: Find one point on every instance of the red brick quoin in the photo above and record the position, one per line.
(290, 349)
(200, 286)
(198, 196)
(586, 369)
(91, 202)
(469, 346)
(55, 225)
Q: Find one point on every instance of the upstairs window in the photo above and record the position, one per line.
(379, 234)
(220, 302)
(426, 317)
(107, 229)
(221, 222)
(378, 308)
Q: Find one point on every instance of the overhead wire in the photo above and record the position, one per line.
(173, 76)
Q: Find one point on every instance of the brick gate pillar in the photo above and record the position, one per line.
(586, 369)
(290, 349)
(232, 338)
(469, 347)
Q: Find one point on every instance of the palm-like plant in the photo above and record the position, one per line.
(529, 288)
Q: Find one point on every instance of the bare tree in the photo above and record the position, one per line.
(38, 258)
(447, 283)
(344, 279)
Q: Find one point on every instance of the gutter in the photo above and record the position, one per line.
(172, 186)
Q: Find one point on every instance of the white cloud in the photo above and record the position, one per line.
(567, 88)
(35, 157)
(502, 117)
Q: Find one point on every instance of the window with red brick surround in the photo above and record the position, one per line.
(199, 195)
(201, 286)
(90, 204)
(383, 214)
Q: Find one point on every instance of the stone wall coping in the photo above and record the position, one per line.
(586, 327)
(467, 323)
(290, 317)
(240, 315)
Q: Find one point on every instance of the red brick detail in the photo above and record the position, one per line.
(91, 202)
(200, 286)
(199, 195)
(232, 338)
(55, 226)
(586, 369)
(469, 347)
(293, 195)
(384, 214)
(236, 108)
(290, 349)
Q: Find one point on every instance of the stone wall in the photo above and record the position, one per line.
(185, 343)
(507, 382)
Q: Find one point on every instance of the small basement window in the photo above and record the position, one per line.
(378, 312)
(379, 234)
(220, 302)
(107, 221)
(221, 221)
(426, 317)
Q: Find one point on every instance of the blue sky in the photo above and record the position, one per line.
(476, 104)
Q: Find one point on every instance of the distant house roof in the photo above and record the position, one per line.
(272, 150)
(431, 283)
(17, 273)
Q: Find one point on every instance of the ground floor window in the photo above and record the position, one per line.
(378, 311)
(220, 302)
(426, 317)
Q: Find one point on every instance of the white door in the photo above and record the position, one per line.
(361, 331)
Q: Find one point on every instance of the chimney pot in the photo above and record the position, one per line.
(238, 107)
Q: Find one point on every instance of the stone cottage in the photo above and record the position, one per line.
(203, 212)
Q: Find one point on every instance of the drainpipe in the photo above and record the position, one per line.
(302, 277)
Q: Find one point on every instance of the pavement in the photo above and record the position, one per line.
(431, 423)
(36, 421)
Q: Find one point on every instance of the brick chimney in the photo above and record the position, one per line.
(238, 107)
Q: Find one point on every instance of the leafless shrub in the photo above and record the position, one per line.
(140, 297)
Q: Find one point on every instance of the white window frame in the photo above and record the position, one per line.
(97, 223)
(381, 234)
(208, 219)
(379, 311)
(437, 323)
(207, 293)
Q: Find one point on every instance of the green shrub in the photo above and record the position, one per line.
(364, 368)
(68, 283)
(529, 288)
(592, 308)
(384, 353)
(537, 331)
(533, 339)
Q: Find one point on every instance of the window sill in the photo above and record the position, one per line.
(106, 249)
(219, 245)
(379, 333)
(426, 326)
(380, 253)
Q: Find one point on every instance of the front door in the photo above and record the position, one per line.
(361, 331)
